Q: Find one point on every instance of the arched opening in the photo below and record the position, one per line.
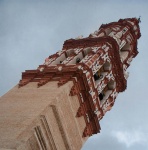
(111, 85)
(125, 51)
(101, 34)
(124, 55)
(107, 66)
(76, 59)
(102, 71)
(108, 31)
(59, 60)
(70, 52)
(87, 51)
(126, 47)
(107, 91)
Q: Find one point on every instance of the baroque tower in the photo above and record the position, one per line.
(59, 104)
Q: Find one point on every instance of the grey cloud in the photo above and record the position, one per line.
(103, 141)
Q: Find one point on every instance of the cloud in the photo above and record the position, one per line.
(129, 138)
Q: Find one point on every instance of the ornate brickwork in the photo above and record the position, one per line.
(97, 67)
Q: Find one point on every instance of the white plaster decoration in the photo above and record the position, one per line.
(101, 34)
(95, 49)
(51, 61)
(90, 83)
(85, 71)
(80, 67)
(131, 22)
(107, 66)
(87, 50)
(81, 97)
(124, 67)
(67, 60)
(124, 30)
(77, 50)
(88, 76)
(135, 27)
(99, 83)
(46, 61)
(116, 28)
(96, 110)
(87, 117)
(93, 94)
(96, 67)
(101, 86)
(59, 59)
(98, 115)
(123, 55)
(94, 101)
(107, 107)
(107, 94)
(104, 57)
(73, 61)
(60, 52)
(41, 69)
(60, 68)
(108, 60)
(112, 34)
(108, 31)
(105, 47)
(110, 76)
(129, 38)
(122, 44)
(129, 60)
(118, 34)
(126, 75)
(86, 58)
(69, 52)
(94, 81)
(114, 94)
(93, 35)
(117, 40)
(79, 37)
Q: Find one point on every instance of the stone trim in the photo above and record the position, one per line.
(48, 132)
(57, 117)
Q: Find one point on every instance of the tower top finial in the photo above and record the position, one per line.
(139, 19)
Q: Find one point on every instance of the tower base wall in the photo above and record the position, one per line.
(40, 118)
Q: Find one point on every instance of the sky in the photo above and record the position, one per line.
(31, 30)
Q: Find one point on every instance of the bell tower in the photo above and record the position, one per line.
(60, 104)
